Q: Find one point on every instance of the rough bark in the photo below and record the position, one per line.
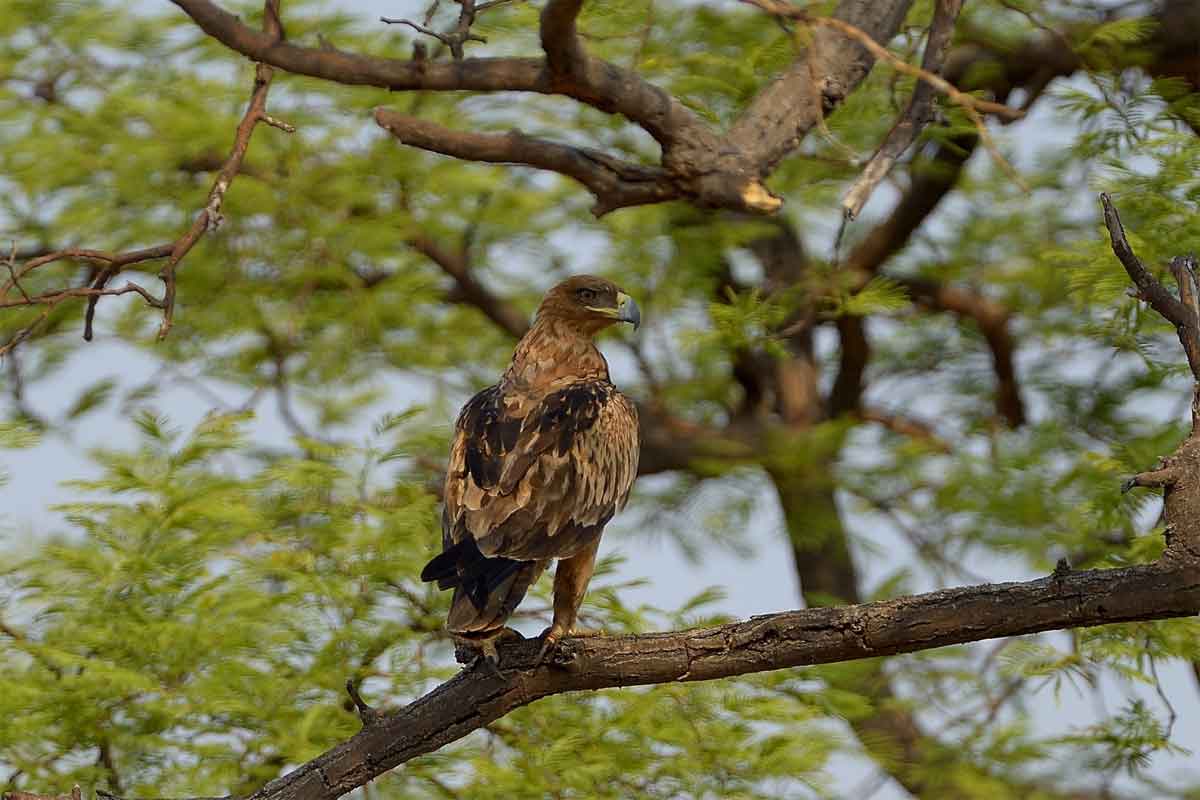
(698, 162)
(477, 696)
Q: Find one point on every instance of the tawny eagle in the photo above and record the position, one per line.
(539, 464)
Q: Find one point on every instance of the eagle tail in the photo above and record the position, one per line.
(486, 590)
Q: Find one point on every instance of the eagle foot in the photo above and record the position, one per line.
(550, 639)
(485, 651)
(553, 635)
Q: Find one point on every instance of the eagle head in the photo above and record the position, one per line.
(589, 304)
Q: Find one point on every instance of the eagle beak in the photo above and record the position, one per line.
(628, 311)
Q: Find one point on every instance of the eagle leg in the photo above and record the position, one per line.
(570, 583)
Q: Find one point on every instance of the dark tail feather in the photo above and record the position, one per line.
(463, 566)
(444, 565)
(482, 608)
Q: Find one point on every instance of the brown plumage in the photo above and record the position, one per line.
(540, 462)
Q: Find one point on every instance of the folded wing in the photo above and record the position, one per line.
(527, 483)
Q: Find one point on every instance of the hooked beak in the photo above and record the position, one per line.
(628, 311)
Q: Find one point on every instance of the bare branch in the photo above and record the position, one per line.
(209, 217)
(76, 794)
(775, 122)
(615, 183)
(918, 113)
(600, 84)
(367, 715)
(478, 696)
(855, 352)
(454, 39)
(973, 107)
(907, 426)
(1178, 312)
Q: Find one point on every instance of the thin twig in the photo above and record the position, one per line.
(1171, 715)
(11, 262)
(112, 263)
(461, 34)
(972, 106)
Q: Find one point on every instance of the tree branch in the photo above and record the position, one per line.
(702, 167)
(817, 82)
(456, 38)
(1179, 312)
(477, 696)
(615, 183)
(208, 218)
(918, 113)
(599, 84)
(992, 318)
(470, 290)
(560, 40)
(855, 352)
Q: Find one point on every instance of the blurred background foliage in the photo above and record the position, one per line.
(188, 627)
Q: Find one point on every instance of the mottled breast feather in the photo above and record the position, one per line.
(539, 479)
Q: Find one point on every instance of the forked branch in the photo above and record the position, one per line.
(111, 264)
(1182, 313)
(615, 183)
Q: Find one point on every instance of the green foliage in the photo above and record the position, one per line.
(188, 627)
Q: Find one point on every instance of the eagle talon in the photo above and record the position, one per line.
(550, 639)
(489, 657)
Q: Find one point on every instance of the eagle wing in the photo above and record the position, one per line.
(540, 481)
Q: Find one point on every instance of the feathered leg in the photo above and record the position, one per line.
(570, 583)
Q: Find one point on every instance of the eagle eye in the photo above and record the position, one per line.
(587, 295)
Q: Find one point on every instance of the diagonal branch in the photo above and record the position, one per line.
(615, 183)
(1148, 286)
(833, 66)
(918, 113)
(477, 697)
(992, 318)
(973, 107)
(470, 290)
(1182, 312)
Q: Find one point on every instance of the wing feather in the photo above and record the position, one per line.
(542, 484)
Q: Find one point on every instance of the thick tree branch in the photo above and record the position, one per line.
(702, 166)
(598, 83)
(560, 40)
(615, 183)
(817, 82)
(855, 352)
(477, 696)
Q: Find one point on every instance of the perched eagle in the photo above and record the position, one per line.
(539, 464)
